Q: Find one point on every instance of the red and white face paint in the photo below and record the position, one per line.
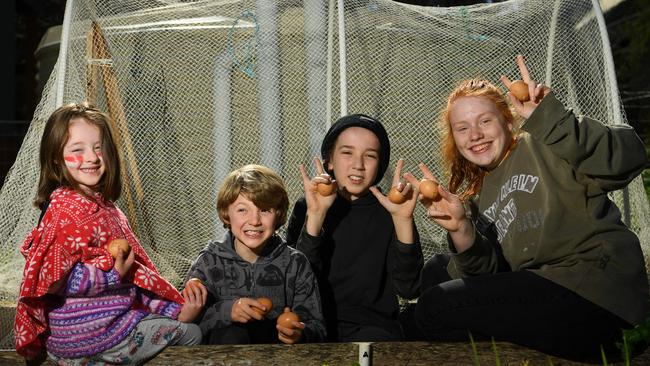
(82, 154)
(73, 161)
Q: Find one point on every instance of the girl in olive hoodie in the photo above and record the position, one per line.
(539, 254)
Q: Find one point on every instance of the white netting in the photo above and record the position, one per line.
(199, 88)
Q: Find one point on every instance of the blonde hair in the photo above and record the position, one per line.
(259, 184)
(461, 172)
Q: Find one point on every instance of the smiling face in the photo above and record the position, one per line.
(355, 160)
(82, 154)
(480, 131)
(251, 227)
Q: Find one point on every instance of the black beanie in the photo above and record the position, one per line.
(358, 120)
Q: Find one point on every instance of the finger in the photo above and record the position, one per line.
(319, 165)
(525, 76)
(303, 173)
(514, 101)
(506, 82)
(410, 178)
(427, 173)
(408, 189)
(380, 197)
(322, 178)
(398, 171)
(204, 293)
(258, 305)
(539, 93)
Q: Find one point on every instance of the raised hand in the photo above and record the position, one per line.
(401, 213)
(447, 211)
(403, 210)
(536, 91)
(317, 204)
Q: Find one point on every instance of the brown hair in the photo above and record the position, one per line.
(55, 135)
(459, 169)
(259, 184)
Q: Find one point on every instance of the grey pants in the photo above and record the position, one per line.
(152, 334)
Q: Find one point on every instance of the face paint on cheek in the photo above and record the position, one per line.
(73, 161)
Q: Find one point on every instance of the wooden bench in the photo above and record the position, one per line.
(348, 354)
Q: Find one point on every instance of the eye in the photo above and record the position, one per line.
(372, 156)
(267, 210)
(485, 121)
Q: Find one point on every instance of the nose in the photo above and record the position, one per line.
(92, 156)
(358, 162)
(255, 217)
(475, 133)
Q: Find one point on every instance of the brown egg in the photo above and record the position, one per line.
(519, 89)
(116, 244)
(196, 280)
(193, 282)
(326, 189)
(266, 302)
(287, 318)
(396, 196)
(429, 189)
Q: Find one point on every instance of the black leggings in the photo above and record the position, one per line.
(519, 307)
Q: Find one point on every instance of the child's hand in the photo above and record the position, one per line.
(290, 335)
(447, 211)
(242, 310)
(315, 201)
(536, 91)
(194, 297)
(400, 211)
(317, 204)
(195, 287)
(123, 265)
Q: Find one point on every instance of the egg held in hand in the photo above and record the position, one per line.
(267, 303)
(116, 244)
(429, 189)
(396, 196)
(519, 89)
(287, 318)
(325, 189)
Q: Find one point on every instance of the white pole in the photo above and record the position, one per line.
(609, 63)
(342, 60)
(330, 58)
(616, 112)
(63, 54)
(550, 48)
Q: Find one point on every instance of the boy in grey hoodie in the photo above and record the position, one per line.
(251, 262)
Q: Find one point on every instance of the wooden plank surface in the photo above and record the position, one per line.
(347, 354)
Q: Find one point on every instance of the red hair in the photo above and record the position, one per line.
(462, 173)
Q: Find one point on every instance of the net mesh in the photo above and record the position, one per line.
(198, 88)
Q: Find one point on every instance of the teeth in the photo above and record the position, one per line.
(479, 148)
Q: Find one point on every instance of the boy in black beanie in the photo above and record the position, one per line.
(364, 249)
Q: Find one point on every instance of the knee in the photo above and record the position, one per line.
(192, 335)
(435, 271)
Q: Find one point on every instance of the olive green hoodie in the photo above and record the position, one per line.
(547, 206)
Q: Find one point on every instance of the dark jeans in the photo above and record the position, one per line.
(519, 307)
(254, 332)
(348, 332)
